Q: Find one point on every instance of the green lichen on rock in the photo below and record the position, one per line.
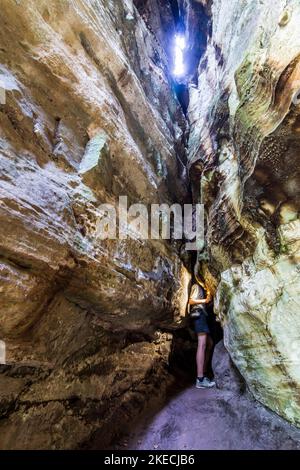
(96, 166)
(96, 150)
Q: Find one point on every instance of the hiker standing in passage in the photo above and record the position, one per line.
(199, 301)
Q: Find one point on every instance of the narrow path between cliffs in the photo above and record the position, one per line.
(226, 417)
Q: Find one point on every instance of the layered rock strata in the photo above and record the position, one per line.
(244, 163)
(88, 114)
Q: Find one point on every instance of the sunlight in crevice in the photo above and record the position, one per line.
(179, 47)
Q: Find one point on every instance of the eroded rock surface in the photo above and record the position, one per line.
(89, 115)
(244, 147)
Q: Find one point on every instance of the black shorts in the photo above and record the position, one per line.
(201, 324)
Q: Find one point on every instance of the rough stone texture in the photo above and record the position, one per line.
(90, 114)
(160, 17)
(195, 15)
(225, 418)
(244, 145)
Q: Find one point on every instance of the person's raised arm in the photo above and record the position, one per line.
(197, 302)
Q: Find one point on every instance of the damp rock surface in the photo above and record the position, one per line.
(244, 164)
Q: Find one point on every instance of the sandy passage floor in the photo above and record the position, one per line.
(221, 418)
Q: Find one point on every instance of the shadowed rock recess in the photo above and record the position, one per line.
(91, 113)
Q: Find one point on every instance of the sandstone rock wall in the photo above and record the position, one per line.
(244, 163)
(89, 115)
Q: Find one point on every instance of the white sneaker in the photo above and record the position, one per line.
(205, 383)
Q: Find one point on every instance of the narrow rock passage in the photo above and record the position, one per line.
(226, 417)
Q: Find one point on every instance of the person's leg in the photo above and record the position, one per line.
(208, 356)
(200, 356)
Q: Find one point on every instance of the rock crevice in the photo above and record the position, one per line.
(244, 164)
(89, 111)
